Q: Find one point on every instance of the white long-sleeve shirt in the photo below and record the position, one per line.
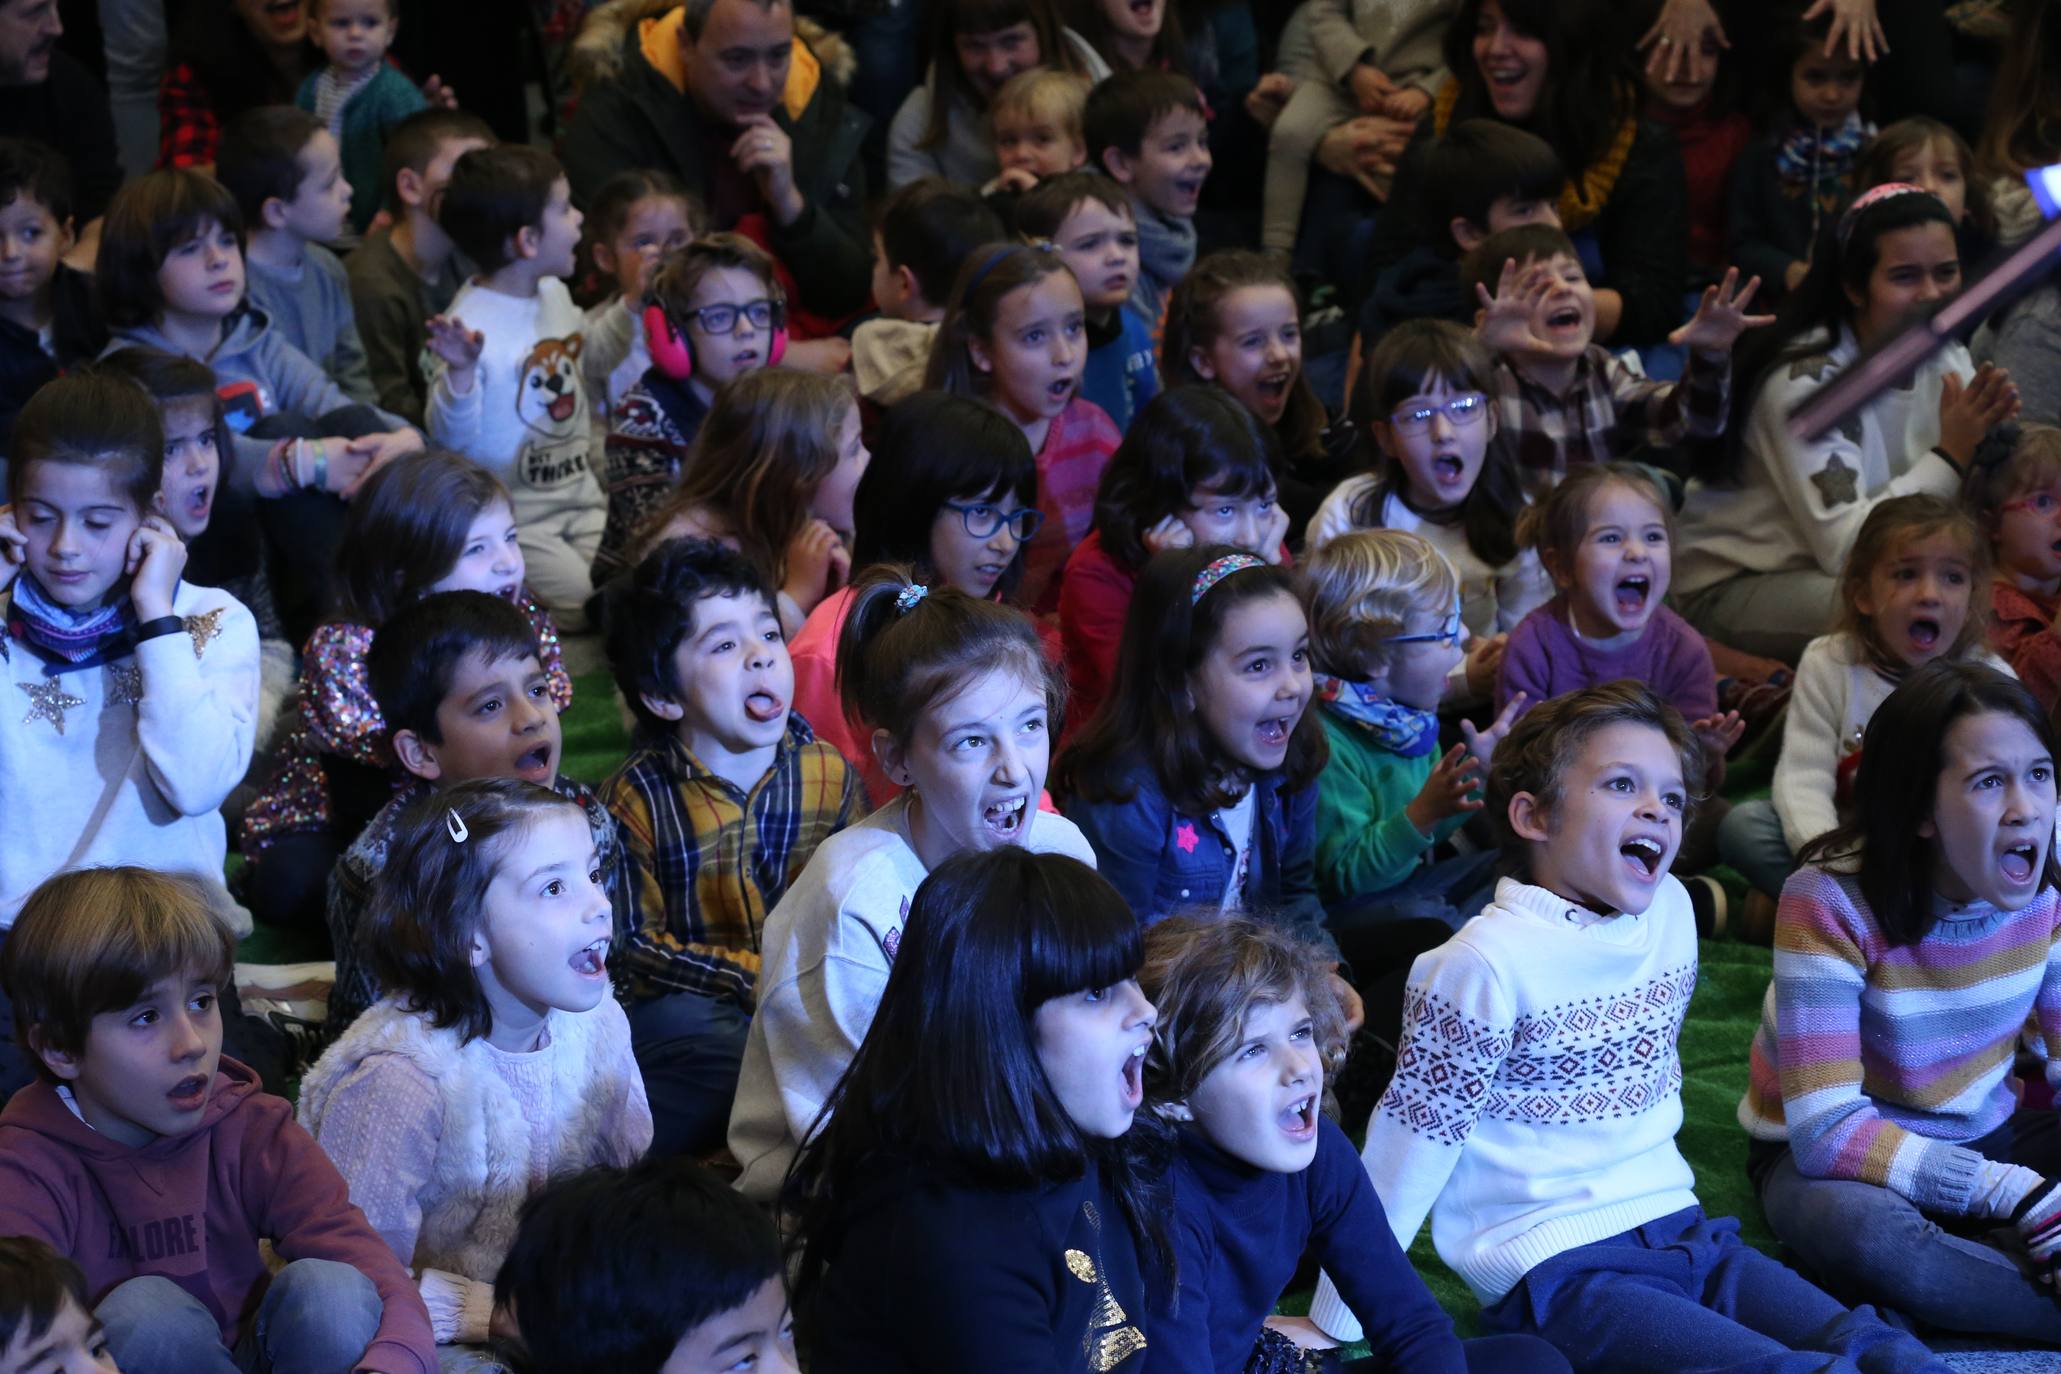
(129, 762)
(1538, 1090)
(1799, 506)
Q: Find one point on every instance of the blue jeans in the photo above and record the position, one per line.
(689, 1048)
(317, 1317)
(1750, 839)
(1684, 1295)
(1869, 1244)
(1452, 890)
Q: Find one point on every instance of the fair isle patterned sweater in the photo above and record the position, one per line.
(1537, 1092)
(1879, 1062)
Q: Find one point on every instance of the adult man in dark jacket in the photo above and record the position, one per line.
(45, 93)
(725, 96)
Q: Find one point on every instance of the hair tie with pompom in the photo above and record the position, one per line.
(907, 597)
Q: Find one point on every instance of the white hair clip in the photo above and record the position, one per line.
(455, 823)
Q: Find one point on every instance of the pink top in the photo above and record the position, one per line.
(1076, 449)
(814, 651)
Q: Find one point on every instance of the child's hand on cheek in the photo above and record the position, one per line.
(1482, 743)
(1169, 533)
(817, 564)
(1445, 793)
(156, 557)
(1271, 548)
(1720, 317)
(1484, 662)
(14, 548)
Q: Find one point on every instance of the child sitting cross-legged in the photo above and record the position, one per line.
(497, 1058)
(45, 1325)
(158, 1166)
(1542, 1143)
(1563, 398)
(1248, 1035)
(1385, 637)
(725, 797)
(463, 694)
(579, 1275)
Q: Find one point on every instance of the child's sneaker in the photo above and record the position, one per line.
(1708, 900)
(1757, 921)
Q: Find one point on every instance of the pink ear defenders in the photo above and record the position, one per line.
(673, 353)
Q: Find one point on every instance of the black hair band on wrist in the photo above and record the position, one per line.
(158, 628)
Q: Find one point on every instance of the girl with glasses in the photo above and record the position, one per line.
(1424, 399)
(2014, 489)
(951, 492)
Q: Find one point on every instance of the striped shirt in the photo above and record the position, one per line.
(1879, 1062)
(710, 860)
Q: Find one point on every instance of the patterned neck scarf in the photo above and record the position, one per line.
(1810, 156)
(58, 632)
(1400, 729)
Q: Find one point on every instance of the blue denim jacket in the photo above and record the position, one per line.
(1162, 860)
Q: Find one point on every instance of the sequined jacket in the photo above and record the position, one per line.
(340, 720)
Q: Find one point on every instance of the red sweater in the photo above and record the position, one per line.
(1094, 597)
(1709, 148)
(2021, 630)
(1077, 447)
(193, 1208)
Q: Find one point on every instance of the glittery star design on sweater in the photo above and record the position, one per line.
(48, 701)
(124, 684)
(204, 628)
(1836, 482)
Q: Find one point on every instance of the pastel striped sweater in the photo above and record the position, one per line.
(1879, 1063)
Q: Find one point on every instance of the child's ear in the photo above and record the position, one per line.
(1927, 830)
(1080, 156)
(67, 236)
(479, 953)
(527, 242)
(62, 1063)
(894, 760)
(910, 288)
(1198, 359)
(408, 185)
(1118, 166)
(665, 708)
(1465, 233)
(272, 213)
(978, 352)
(417, 756)
(1528, 817)
(1549, 559)
(1175, 1111)
(604, 257)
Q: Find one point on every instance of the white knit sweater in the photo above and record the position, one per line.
(1538, 1092)
(441, 1143)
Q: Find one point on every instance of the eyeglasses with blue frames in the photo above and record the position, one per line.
(1449, 630)
(722, 319)
(981, 520)
(1460, 411)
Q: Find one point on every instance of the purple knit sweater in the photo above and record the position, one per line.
(1545, 660)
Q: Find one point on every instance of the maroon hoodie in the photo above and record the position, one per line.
(193, 1208)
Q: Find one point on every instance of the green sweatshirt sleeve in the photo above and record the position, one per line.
(1366, 843)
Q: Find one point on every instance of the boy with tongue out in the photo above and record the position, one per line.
(1562, 398)
(1537, 1091)
(464, 696)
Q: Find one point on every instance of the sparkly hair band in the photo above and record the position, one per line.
(1218, 570)
(1873, 196)
(907, 597)
(455, 823)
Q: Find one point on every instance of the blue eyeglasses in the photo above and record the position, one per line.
(1449, 630)
(982, 520)
(1460, 411)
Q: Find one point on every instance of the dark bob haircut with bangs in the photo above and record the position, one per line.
(935, 447)
(147, 219)
(1168, 630)
(1902, 756)
(429, 901)
(1189, 437)
(948, 1078)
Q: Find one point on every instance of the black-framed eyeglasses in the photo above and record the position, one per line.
(982, 520)
(1460, 411)
(722, 319)
(1448, 630)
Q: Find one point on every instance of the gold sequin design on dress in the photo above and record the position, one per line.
(48, 701)
(124, 684)
(204, 628)
(1110, 1338)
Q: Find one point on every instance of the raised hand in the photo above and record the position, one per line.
(1857, 23)
(438, 94)
(1484, 661)
(451, 341)
(1719, 733)
(1444, 793)
(1721, 317)
(1674, 45)
(1969, 411)
(1505, 323)
(1482, 743)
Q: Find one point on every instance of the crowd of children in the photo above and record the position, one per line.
(1226, 660)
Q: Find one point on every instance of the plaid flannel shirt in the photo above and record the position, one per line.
(1607, 414)
(186, 120)
(711, 860)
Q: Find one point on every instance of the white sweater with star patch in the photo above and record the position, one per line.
(149, 748)
(1799, 506)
